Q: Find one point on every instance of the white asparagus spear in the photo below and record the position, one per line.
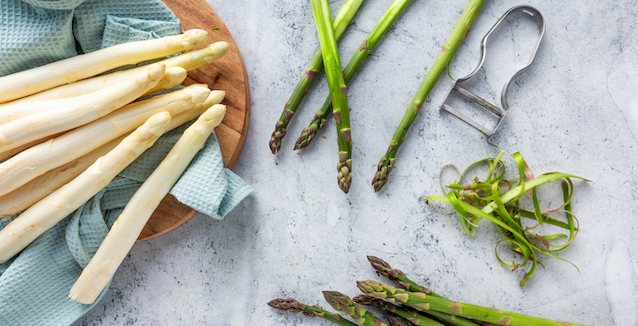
(174, 76)
(9, 153)
(37, 160)
(82, 110)
(42, 186)
(128, 226)
(14, 111)
(46, 213)
(87, 65)
(189, 61)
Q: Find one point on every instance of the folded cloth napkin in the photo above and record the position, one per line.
(34, 286)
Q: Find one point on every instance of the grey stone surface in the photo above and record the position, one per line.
(575, 111)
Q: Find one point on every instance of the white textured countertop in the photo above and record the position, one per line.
(574, 111)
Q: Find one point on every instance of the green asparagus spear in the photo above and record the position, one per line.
(459, 33)
(398, 276)
(344, 16)
(320, 118)
(292, 305)
(411, 315)
(343, 303)
(396, 320)
(423, 302)
(337, 84)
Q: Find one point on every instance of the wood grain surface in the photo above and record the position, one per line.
(227, 73)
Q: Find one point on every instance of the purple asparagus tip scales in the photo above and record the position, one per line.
(289, 305)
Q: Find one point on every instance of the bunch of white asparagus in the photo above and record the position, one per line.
(64, 136)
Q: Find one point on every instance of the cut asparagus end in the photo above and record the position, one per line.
(99, 276)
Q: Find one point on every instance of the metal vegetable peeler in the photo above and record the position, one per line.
(499, 112)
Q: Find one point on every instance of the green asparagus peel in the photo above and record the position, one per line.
(338, 90)
(411, 315)
(484, 199)
(459, 33)
(423, 302)
(341, 21)
(396, 320)
(343, 303)
(292, 305)
(399, 277)
(320, 118)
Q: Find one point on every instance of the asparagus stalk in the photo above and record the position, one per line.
(343, 303)
(188, 61)
(294, 306)
(82, 110)
(459, 33)
(423, 302)
(42, 186)
(37, 160)
(86, 65)
(128, 226)
(320, 118)
(409, 314)
(13, 112)
(338, 90)
(341, 21)
(398, 276)
(7, 154)
(49, 211)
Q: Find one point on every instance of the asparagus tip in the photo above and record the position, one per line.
(290, 305)
(384, 168)
(275, 140)
(363, 299)
(396, 320)
(306, 137)
(337, 300)
(344, 176)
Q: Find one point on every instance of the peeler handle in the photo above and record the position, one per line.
(534, 13)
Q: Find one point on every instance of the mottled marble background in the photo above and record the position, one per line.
(575, 111)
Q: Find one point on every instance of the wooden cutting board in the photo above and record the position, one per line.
(227, 73)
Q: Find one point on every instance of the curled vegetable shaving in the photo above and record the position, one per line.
(497, 200)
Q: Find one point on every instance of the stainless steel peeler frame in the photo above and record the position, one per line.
(500, 112)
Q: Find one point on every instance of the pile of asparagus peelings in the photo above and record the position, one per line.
(412, 305)
(327, 56)
(64, 135)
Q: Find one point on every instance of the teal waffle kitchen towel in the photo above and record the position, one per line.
(34, 286)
